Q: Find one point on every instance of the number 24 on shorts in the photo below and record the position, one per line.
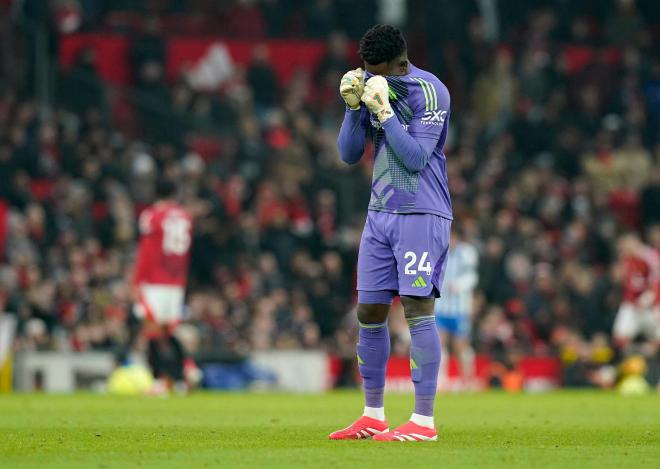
(422, 266)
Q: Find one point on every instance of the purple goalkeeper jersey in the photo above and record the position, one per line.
(420, 102)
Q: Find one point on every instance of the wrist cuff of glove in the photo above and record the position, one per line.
(384, 115)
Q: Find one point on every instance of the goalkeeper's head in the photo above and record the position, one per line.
(384, 51)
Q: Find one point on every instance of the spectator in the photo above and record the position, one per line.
(552, 155)
(81, 88)
(262, 80)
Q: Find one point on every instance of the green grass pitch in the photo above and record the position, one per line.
(562, 429)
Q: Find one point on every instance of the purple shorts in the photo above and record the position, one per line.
(403, 253)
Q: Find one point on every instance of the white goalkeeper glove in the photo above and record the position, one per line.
(376, 98)
(351, 88)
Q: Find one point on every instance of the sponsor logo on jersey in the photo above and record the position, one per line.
(375, 123)
(434, 117)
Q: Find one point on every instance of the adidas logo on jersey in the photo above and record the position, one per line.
(419, 282)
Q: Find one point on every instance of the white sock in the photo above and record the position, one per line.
(423, 420)
(377, 413)
(444, 364)
(467, 362)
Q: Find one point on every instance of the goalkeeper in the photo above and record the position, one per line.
(403, 251)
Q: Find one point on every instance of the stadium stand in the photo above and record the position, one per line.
(554, 153)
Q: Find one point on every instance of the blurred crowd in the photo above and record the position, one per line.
(549, 164)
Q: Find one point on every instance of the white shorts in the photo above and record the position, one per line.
(162, 304)
(632, 320)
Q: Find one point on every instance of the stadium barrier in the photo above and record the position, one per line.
(7, 331)
(298, 371)
(532, 374)
(295, 370)
(62, 372)
(208, 58)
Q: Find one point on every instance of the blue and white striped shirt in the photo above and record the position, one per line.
(460, 280)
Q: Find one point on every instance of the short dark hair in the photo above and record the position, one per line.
(382, 43)
(165, 188)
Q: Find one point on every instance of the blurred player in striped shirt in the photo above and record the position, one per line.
(453, 310)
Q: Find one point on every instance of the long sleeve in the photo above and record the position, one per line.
(414, 152)
(352, 137)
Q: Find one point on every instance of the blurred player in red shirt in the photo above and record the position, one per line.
(159, 282)
(639, 312)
